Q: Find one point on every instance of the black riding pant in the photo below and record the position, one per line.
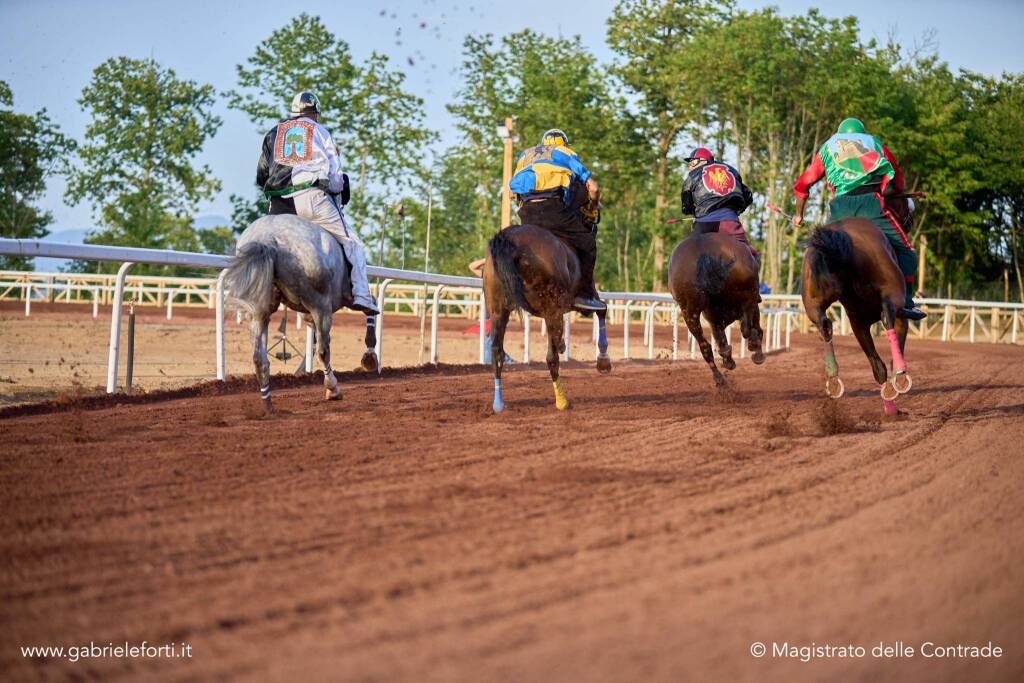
(565, 222)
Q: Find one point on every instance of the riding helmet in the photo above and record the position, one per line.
(852, 126)
(305, 104)
(555, 137)
(701, 153)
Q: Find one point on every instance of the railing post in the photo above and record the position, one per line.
(115, 327)
(675, 332)
(382, 289)
(483, 324)
(221, 367)
(526, 337)
(625, 330)
(650, 333)
(433, 324)
(28, 298)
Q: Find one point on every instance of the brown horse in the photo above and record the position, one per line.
(528, 268)
(852, 262)
(716, 275)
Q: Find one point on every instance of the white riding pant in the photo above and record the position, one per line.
(314, 205)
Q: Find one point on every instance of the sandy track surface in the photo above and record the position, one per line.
(652, 532)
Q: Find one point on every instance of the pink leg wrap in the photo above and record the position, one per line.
(898, 363)
(890, 407)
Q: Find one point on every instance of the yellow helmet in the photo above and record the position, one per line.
(555, 137)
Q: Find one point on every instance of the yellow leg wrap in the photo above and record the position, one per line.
(561, 402)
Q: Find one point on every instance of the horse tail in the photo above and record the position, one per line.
(712, 273)
(250, 277)
(830, 254)
(504, 254)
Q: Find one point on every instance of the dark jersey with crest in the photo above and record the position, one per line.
(714, 186)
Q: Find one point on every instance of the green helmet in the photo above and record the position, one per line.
(851, 126)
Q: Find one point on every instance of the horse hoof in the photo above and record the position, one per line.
(369, 361)
(604, 364)
(332, 394)
(901, 382)
(729, 363)
(889, 392)
(834, 387)
(498, 406)
(268, 407)
(757, 357)
(562, 403)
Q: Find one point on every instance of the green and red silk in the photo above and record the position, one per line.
(852, 160)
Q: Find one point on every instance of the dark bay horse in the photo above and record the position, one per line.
(283, 258)
(528, 268)
(852, 262)
(716, 275)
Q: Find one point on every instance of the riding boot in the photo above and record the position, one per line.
(588, 299)
(910, 310)
(362, 300)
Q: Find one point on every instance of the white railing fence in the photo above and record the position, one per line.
(407, 292)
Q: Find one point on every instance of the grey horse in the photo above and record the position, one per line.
(283, 258)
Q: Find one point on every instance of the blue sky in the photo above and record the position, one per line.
(50, 49)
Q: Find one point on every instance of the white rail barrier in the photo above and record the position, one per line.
(778, 308)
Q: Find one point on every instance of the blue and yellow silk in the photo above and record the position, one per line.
(547, 169)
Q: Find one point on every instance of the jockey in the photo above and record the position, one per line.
(555, 191)
(715, 195)
(862, 174)
(300, 173)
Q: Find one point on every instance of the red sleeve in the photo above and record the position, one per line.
(812, 174)
(898, 178)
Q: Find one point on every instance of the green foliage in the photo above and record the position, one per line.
(136, 165)
(31, 149)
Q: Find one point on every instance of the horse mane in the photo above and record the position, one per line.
(712, 273)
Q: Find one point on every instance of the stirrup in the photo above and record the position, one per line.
(588, 304)
(368, 310)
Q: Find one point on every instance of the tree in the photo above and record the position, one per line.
(651, 38)
(31, 149)
(137, 161)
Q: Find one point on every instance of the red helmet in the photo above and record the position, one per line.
(701, 153)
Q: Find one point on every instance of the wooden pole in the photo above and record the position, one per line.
(506, 176)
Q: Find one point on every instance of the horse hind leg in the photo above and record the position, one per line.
(834, 387)
(604, 361)
(896, 331)
(322, 326)
(724, 348)
(750, 328)
(369, 362)
(498, 325)
(556, 345)
(693, 324)
(258, 330)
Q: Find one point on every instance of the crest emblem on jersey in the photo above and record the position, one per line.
(294, 143)
(856, 154)
(717, 179)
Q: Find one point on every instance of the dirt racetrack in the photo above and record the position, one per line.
(651, 533)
